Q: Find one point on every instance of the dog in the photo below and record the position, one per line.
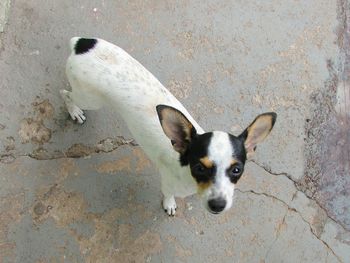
(189, 160)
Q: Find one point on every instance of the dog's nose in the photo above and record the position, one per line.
(217, 205)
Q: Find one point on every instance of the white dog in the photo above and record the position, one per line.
(189, 160)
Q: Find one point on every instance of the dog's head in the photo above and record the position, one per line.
(216, 159)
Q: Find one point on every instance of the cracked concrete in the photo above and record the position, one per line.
(71, 193)
(4, 10)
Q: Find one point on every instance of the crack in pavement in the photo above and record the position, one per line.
(297, 186)
(277, 235)
(291, 209)
(77, 150)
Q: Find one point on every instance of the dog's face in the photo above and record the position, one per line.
(216, 159)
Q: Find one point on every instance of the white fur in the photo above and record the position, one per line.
(220, 152)
(106, 74)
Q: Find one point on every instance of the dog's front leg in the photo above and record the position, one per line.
(169, 204)
(167, 188)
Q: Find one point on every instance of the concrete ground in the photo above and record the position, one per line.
(71, 193)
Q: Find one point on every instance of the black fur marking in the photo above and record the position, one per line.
(274, 117)
(235, 177)
(159, 109)
(239, 154)
(197, 149)
(83, 45)
(183, 159)
(208, 176)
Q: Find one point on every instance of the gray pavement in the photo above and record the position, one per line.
(71, 193)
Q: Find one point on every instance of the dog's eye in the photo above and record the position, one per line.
(199, 169)
(235, 171)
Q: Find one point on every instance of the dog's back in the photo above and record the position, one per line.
(101, 73)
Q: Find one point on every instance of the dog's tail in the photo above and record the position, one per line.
(73, 41)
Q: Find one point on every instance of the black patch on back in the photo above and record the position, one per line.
(83, 45)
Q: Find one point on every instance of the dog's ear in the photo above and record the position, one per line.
(176, 127)
(257, 131)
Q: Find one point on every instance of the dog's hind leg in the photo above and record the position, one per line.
(74, 111)
(82, 97)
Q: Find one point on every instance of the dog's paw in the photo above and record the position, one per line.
(169, 205)
(76, 114)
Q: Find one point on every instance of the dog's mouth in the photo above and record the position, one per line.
(213, 212)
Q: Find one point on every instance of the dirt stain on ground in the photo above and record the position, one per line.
(142, 161)
(64, 207)
(182, 252)
(34, 131)
(11, 210)
(44, 109)
(180, 89)
(115, 243)
(67, 167)
(10, 143)
(111, 167)
(110, 241)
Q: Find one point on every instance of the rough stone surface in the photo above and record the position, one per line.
(4, 9)
(328, 142)
(71, 193)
